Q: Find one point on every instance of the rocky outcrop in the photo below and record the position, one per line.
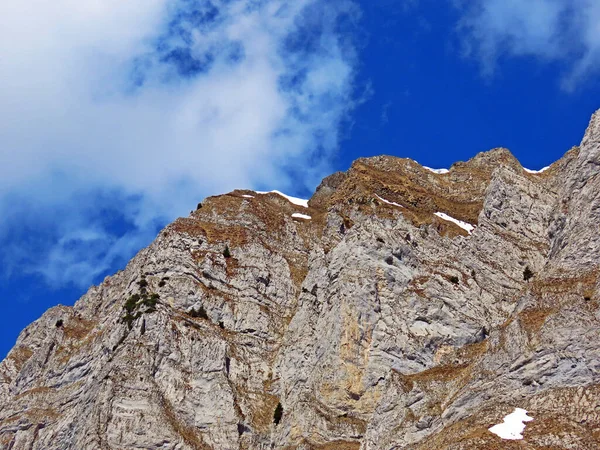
(402, 309)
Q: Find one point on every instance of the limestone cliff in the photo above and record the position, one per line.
(402, 309)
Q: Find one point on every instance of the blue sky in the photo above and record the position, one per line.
(120, 116)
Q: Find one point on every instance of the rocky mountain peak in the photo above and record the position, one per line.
(592, 134)
(401, 307)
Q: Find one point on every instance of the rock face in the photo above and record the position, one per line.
(375, 324)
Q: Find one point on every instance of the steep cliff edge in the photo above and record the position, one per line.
(399, 309)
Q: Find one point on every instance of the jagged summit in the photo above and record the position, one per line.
(400, 308)
(402, 182)
(592, 133)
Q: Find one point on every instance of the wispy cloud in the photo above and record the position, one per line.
(564, 31)
(385, 112)
(135, 110)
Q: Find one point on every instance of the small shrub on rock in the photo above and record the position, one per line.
(131, 303)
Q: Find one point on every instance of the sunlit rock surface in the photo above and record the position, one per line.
(373, 320)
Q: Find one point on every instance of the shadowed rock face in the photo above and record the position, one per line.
(375, 324)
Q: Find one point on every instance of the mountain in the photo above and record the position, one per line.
(401, 308)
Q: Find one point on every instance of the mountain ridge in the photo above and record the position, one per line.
(376, 323)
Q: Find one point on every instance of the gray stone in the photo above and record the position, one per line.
(376, 324)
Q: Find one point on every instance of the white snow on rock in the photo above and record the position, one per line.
(438, 171)
(301, 216)
(247, 196)
(388, 202)
(536, 171)
(294, 200)
(464, 225)
(513, 425)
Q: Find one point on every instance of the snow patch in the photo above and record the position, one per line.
(301, 216)
(513, 425)
(438, 171)
(543, 169)
(388, 202)
(247, 196)
(294, 200)
(464, 225)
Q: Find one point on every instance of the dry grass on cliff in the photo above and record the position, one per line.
(20, 356)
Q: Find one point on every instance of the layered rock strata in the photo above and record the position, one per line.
(402, 309)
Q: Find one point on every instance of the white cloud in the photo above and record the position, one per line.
(149, 105)
(565, 31)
